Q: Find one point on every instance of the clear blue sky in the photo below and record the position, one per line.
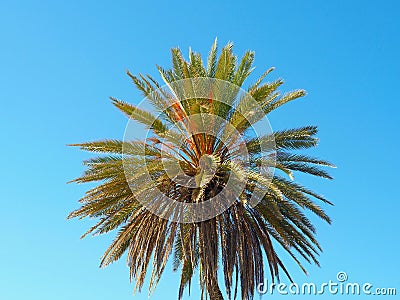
(60, 60)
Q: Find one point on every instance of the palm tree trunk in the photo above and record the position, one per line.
(214, 291)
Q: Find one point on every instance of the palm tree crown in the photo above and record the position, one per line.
(239, 236)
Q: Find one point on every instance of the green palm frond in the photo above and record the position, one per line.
(226, 64)
(299, 138)
(141, 116)
(212, 60)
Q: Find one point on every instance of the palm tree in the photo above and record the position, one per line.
(239, 239)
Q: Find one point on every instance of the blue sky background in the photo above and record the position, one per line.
(60, 60)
